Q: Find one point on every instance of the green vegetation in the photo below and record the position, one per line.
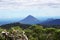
(36, 32)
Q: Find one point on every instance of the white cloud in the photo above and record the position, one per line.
(16, 4)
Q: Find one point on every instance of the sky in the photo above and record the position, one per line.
(23, 8)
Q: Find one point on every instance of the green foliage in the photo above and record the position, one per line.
(36, 32)
(15, 28)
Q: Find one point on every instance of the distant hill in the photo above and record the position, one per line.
(30, 20)
(8, 26)
(52, 22)
(8, 21)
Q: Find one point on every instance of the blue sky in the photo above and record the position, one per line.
(23, 8)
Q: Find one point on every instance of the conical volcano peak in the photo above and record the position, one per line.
(30, 16)
(30, 20)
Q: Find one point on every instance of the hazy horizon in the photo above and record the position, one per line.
(22, 8)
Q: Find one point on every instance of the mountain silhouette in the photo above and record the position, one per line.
(30, 20)
(52, 22)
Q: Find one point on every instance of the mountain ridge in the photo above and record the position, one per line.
(32, 20)
(52, 22)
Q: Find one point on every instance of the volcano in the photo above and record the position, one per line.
(30, 20)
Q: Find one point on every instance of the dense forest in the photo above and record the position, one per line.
(34, 32)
